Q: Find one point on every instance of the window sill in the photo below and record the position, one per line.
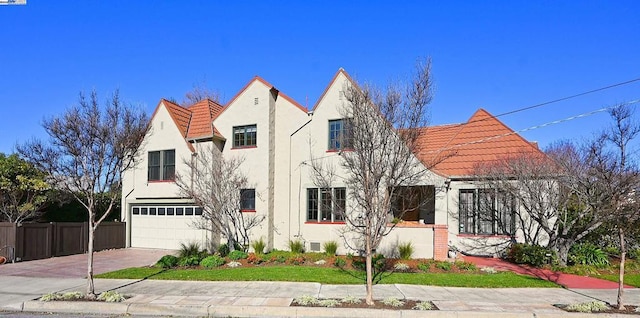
(161, 181)
(413, 224)
(244, 147)
(326, 222)
(503, 236)
(248, 211)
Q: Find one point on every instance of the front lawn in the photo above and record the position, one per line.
(327, 275)
(629, 279)
(609, 272)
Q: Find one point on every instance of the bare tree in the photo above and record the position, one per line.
(88, 149)
(23, 189)
(199, 93)
(380, 139)
(623, 176)
(576, 190)
(217, 184)
(532, 179)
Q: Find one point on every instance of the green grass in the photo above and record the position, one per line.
(629, 279)
(328, 276)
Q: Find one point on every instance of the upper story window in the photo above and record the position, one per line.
(162, 165)
(486, 211)
(245, 136)
(340, 134)
(248, 199)
(326, 204)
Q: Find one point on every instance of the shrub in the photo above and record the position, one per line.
(167, 261)
(111, 296)
(223, 250)
(189, 261)
(423, 305)
(296, 246)
(424, 267)
(534, 255)
(488, 270)
(594, 306)
(405, 250)
(401, 267)
(254, 259)
(339, 262)
(62, 296)
(612, 250)
(445, 266)
(580, 270)
(306, 300)
(236, 255)
(258, 246)
(51, 297)
(465, 266)
(212, 261)
(378, 261)
(351, 300)
(329, 302)
(296, 260)
(634, 253)
(190, 249)
(587, 254)
(330, 247)
(393, 302)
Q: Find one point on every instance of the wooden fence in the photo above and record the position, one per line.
(32, 241)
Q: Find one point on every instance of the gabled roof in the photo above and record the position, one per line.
(203, 114)
(335, 77)
(268, 85)
(181, 116)
(195, 121)
(454, 150)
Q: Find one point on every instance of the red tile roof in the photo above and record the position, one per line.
(180, 116)
(195, 120)
(203, 114)
(454, 150)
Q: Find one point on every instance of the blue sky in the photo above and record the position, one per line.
(498, 55)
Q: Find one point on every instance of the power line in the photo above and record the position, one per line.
(555, 122)
(551, 102)
(569, 97)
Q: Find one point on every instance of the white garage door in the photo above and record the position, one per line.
(165, 226)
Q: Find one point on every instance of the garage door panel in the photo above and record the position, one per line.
(164, 231)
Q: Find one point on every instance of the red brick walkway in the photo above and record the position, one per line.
(75, 266)
(566, 280)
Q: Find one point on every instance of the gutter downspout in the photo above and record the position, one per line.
(127, 214)
(310, 114)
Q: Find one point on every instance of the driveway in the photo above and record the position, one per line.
(75, 266)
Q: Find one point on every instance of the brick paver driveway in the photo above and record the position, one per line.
(75, 266)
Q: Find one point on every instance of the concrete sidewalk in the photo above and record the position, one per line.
(272, 299)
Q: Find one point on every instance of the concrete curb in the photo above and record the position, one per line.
(84, 307)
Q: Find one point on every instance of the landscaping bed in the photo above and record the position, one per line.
(326, 269)
(351, 302)
(599, 307)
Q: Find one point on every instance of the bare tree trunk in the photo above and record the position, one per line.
(562, 248)
(369, 267)
(90, 287)
(623, 254)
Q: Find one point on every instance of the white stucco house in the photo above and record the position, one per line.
(277, 137)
